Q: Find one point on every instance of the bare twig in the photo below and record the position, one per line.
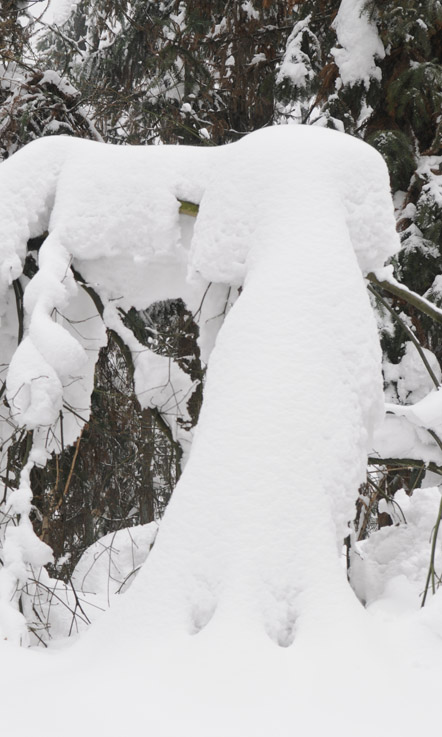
(431, 576)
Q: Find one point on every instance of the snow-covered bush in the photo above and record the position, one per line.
(110, 565)
(116, 240)
(244, 594)
(396, 559)
(56, 610)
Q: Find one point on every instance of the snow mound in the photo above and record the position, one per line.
(110, 565)
(411, 376)
(401, 551)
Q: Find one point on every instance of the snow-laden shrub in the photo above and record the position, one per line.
(106, 569)
(394, 561)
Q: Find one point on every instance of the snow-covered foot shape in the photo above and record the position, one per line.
(252, 537)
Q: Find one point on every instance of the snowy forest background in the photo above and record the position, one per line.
(206, 74)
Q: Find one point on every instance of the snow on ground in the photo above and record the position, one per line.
(242, 623)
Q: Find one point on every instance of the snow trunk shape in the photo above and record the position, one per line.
(254, 531)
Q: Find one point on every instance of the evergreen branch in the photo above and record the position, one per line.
(384, 279)
(409, 334)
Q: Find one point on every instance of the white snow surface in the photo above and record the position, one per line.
(404, 432)
(105, 570)
(410, 375)
(241, 623)
(397, 437)
(398, 557)
(58, 11)
(426, 413)
(109, 566)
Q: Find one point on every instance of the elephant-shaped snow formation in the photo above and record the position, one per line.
(293, 216)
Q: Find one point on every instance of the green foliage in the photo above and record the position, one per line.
(418, 267)
(41, 105)
(13, 32)
(409, 25)
(396, 148)
(429, 220)
(415, 100)
(175, 72)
